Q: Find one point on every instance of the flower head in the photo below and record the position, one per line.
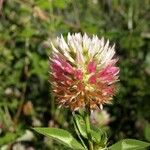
(83, 71)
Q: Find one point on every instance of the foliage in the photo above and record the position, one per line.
(26, 29)
(61, 135)
(129, 144)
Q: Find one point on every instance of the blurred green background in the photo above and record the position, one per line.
(27, 26)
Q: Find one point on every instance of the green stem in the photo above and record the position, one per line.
(78, 133)
(88, 128)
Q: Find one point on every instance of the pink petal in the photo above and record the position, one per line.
(92, 79)
(56, 68)
(61, 64)
(108, 90)
(113, 70)
(91, 67)
(78, 74)
(108, 73)
(68, 68)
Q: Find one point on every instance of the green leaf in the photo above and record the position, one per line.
(62, 136)
(9, 137)
(81, 125)
(44, 4)
(99, 136)
(129, 144)
(28, 32)
(147, 132)
(62, 4)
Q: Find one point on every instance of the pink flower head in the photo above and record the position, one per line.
(83, 71)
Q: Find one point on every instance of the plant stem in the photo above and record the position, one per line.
(88, 128)
(78, 132)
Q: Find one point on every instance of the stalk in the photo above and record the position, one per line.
(78, 132)
(88, 128)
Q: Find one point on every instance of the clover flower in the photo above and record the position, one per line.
(83, 71)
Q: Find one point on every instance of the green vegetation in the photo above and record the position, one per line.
(26, 28)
